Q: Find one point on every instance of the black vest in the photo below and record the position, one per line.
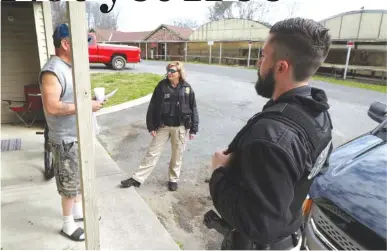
(175, 108)
(319, 143)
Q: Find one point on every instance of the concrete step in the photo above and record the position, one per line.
(126, 220)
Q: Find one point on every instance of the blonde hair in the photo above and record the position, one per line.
(180, 68)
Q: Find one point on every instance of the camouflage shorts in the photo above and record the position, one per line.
(66, 168)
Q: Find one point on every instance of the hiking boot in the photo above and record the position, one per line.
(130, 182)
(172, 186)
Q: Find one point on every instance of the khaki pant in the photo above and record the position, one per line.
(178, 136)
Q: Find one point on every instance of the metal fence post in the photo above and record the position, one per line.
(220, 54)
(248, 57)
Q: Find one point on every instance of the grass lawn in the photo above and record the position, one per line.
(352, 83)
(181, 246)
(130, 85)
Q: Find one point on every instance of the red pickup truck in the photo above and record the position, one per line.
(113, 56)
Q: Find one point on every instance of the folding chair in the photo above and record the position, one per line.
(32, 106)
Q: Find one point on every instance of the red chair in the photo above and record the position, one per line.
(32, 106)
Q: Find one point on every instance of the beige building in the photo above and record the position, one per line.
(231, 30)
(230, 41)
(358, 26)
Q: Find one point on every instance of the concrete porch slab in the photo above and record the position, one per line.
(30, 207)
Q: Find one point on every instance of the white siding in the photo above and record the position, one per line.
(358, 25)
(369, 26)
(20, 61)
(350, 26)
(230, 30)
(334, 27)
(383, 28)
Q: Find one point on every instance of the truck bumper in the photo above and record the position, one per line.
(314, 239)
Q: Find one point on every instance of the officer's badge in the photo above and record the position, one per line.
(187, 90)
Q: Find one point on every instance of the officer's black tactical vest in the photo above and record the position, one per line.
(320, 142)
(170, 106)
(175, 109)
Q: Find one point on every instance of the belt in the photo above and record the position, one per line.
(285, 243)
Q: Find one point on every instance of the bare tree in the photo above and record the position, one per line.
(95, 18)
(252, 10)
(262, 11)
(293, 8)
(186, 23)
(59, 13)
(220, 10)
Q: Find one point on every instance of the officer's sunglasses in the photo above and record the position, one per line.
(171, 71)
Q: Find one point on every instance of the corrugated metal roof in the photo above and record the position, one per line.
(354, 12)
(231, 29)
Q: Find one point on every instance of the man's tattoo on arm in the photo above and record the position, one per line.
(65, 108)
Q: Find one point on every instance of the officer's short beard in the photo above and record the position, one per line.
(265, 85)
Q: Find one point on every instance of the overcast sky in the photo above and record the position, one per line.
(145, 16)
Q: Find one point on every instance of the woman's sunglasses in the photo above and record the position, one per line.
(171, 71)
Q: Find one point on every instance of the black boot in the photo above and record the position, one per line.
(172, 186)
(130, 182)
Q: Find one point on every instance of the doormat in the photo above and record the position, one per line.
(10, 145)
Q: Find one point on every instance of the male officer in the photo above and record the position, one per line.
(260, 181)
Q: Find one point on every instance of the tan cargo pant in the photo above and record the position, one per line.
(178, 136)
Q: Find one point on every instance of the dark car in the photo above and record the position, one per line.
(347, 204)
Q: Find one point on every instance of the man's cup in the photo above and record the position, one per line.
(99, 94)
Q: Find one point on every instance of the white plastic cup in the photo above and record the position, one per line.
(99, 94)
